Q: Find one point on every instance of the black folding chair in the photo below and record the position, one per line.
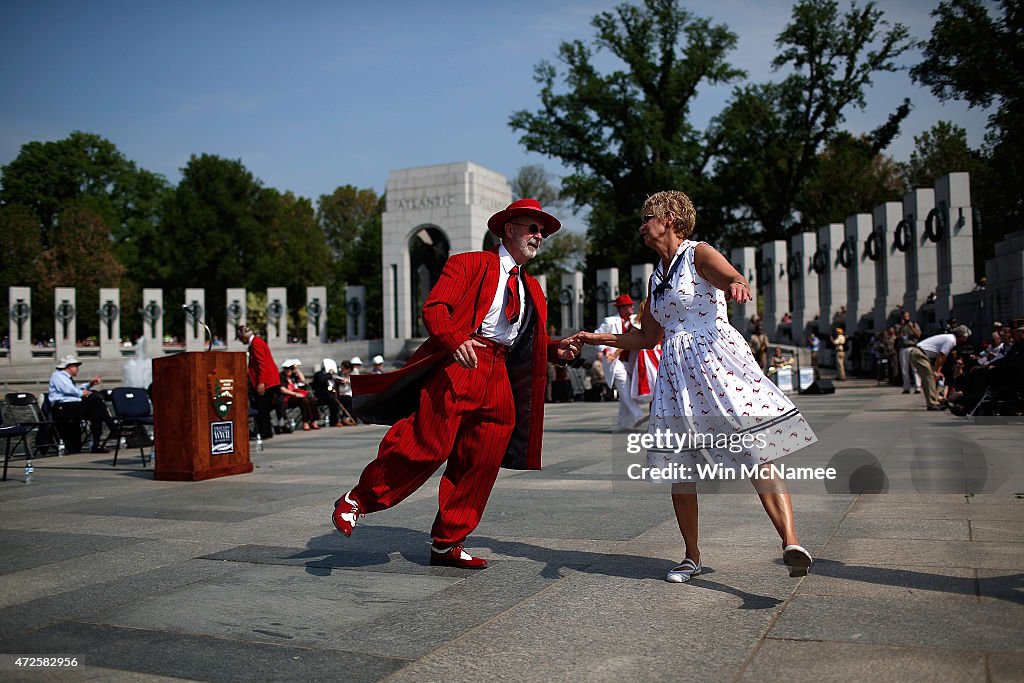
(8, 432)
(131, 409)
(22, 408)
(73, 433)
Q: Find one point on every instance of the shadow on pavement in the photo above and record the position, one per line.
(377, 546)
(1009, 587)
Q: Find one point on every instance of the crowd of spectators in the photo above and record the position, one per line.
(967, 372)
(299, 401)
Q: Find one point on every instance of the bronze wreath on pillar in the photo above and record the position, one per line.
(935, 224)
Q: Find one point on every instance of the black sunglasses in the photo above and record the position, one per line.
(532, 227)
(647, 217)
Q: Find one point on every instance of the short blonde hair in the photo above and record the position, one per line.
(661, 204)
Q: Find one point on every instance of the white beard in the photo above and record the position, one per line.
(528, 248)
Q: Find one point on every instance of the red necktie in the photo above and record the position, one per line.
(626, 327)
(512, 306)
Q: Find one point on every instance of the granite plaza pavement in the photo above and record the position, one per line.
(244, 578)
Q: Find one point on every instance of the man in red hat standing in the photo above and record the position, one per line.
(616, 362)
(472, 394)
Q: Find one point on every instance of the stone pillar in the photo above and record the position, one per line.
(571, 300)
(152, 313)
(20, 324)
(639, 280)
(605, 292)
(831, 277)
(919, 257)
(775, 285)
(355, 309)
(451, 200)
(195, 317)
(1005, 273)
(806, 306)
(860, 274)
(953, 232)
(277, 317)
(890, 267)
(396, 297)
(542, 280)
(236, 313)
(65, 316)
(744, 259)
(316, 315)
(110, 322)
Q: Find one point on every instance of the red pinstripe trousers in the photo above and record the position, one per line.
(464, 416)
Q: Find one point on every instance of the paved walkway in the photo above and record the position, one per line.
(244, 578)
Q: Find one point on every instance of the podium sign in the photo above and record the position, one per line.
(200, 416)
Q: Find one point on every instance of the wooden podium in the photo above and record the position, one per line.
(200, 415)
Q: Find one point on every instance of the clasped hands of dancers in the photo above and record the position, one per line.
(487, 322)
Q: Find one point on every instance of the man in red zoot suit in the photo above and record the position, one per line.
(472, 394)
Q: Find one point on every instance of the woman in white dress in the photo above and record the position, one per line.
(708, 380)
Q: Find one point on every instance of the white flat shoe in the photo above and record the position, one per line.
(682, 572)
(797, 559)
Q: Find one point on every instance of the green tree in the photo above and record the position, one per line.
(974, 57)
(19, 244)
(850, 177)
(536, 182)
(627, 133)
(770, 138)
(364, 268)
(47, 176)
(139, 201)
(350, 218)
(224, 229)
(210, 235)
(294, 253)
(940, 150)
(81, 255)
(342, 215)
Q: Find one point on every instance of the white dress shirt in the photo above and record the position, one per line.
(495, 325)
(940, 343)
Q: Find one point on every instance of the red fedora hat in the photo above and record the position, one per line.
(624, 300)
(523, 207)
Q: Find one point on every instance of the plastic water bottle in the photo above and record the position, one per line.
(259, 442)
(28, 471)
(60, 448)
(152, 457)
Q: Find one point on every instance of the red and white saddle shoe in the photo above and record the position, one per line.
(346, 512)
(456, 557)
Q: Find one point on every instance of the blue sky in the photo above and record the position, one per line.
(313, 95)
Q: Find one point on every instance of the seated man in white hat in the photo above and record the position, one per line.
(74, 403)
(325, 388)
(378, 365)
(357, 365)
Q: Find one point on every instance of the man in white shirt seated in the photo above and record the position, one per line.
(928, 358)
(74, 403)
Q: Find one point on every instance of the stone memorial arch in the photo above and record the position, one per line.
(432, 213)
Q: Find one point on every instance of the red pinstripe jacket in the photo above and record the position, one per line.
(261, 364)
(453, 311)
